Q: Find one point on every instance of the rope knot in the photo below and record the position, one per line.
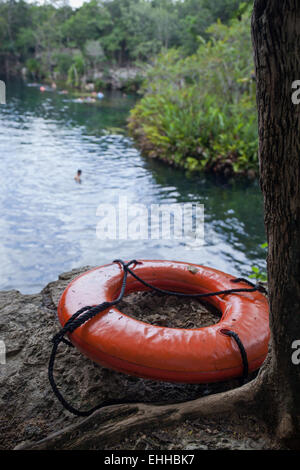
(57, 338)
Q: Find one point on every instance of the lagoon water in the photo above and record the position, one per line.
(48, 222)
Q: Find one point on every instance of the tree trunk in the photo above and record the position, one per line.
(276, 42)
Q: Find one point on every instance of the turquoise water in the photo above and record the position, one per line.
(48, 221)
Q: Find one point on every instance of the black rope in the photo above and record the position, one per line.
(243, 352)
(86, 313)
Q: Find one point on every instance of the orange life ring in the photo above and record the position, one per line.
(202, 355)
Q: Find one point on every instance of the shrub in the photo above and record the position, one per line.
(199, 112)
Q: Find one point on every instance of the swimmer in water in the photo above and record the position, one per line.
(77, 178)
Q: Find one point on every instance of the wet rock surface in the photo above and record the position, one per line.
(29, 411)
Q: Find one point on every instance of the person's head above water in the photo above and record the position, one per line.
(77, 177)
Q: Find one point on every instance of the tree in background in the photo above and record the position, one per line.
(93, 50)
(129, 30)
(89, 22)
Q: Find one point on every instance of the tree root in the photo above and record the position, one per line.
(110, 424)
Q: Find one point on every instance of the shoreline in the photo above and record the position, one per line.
(127, 78)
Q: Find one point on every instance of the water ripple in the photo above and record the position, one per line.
(48, 222)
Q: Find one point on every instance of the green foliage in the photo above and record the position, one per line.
(258, 273)
(25, 41)
(198, 112)
(63, 63)
(34, 68)
(100, 84)
(126, 30)
(76, 71)
(89, 22)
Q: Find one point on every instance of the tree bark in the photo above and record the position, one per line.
(276, 43)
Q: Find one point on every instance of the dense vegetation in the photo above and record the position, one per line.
(198, 105)
(198, 112)
(57, 42)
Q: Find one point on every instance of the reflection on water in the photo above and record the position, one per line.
(48, 222)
